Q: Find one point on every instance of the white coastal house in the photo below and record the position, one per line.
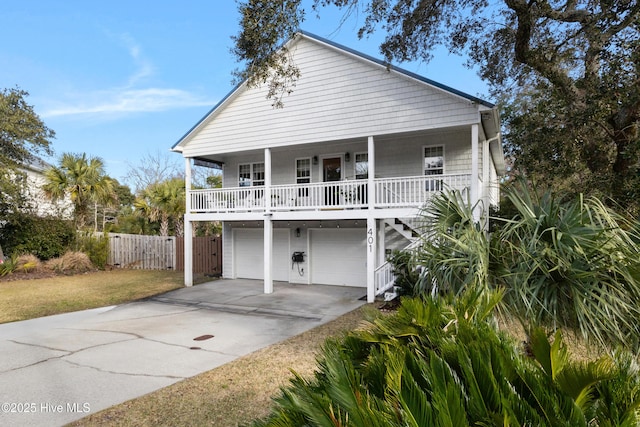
(40, 204)
(319, 191)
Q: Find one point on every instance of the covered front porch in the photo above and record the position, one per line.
(380, 194)
(398, 192)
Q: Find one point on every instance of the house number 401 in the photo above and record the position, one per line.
(370, 239)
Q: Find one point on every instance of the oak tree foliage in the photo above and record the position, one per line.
(566, 73)
(23, 135)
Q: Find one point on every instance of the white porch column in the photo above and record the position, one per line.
(268, 225)
(188, 227)
(372, 233)
(475, 170)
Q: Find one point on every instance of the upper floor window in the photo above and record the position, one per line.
(434, 165)
(250, 174)
(258, 174)
(362, 165)
(303, 171)
(244, 175)
(434, 160)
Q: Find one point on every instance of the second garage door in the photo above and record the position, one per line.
(339, 257)
(249, 254)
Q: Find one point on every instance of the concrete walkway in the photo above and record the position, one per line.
(58, 369)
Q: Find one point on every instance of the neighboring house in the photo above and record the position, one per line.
(42, 206)
(341, 172)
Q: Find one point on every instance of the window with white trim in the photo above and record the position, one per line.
(258, 174)
(433, 164)
(244, 175)
(303, 171)
(361, 165)
(250, 174)
(303, 175)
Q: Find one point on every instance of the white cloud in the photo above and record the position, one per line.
(132, 97)
(144, 68)
(128, 101)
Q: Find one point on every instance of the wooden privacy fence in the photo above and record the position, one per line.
(207, 255)
(164, 253)
(142, 252)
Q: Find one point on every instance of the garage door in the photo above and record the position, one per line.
(248, 254)
(339, 257)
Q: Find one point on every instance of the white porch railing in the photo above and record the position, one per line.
(389, 193)
(415, 190)
(337, 194)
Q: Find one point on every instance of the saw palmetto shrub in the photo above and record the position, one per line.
(563, 264)
(444, 363)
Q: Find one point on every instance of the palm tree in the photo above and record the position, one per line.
(163, 202)
(83, 180)
(570, 264)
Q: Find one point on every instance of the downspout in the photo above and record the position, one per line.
(475, 171)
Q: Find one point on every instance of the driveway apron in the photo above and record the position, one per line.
(57, 369)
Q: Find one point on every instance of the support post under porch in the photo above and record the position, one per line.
(188, 251)
(268, 225)
(188, 227)
(372, 231)
(268, 255)
(372, 235)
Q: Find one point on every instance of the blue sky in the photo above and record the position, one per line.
(125, 79)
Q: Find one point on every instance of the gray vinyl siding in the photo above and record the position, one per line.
(338, 96)
(395, 157)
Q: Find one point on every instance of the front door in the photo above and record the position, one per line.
(331, 171)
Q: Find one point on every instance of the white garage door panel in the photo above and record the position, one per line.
(339, 257)
(249, 254)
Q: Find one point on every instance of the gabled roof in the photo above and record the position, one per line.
(350, 51)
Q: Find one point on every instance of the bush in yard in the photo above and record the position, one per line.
(96, 247)
(570, 264)
(405, 271)
(22, 263)
(8, 265)
(71, 262)
(43, 237)
(28, 263)
(440, 362)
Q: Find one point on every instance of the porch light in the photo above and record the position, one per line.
(315, 160)
(347, 157)
(297, 232)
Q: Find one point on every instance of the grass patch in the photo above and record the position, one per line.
(232, 394)
(28, 299)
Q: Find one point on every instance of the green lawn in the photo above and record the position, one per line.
(28, 299)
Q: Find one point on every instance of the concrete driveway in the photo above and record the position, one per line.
(58, 369)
